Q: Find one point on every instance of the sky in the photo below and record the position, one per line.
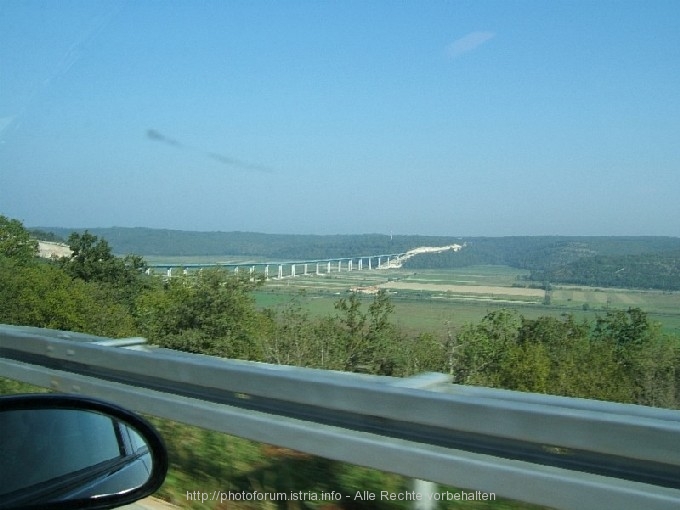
(481, 118)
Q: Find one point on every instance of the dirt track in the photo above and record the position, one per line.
(465, 289)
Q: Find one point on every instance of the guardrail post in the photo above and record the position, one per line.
(426, 490)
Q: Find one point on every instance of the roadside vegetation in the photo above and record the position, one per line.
(620, 355)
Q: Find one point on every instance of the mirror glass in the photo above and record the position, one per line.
(51, 455)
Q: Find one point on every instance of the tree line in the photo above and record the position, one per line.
(649, 271)
(627, 262)
(540, 253)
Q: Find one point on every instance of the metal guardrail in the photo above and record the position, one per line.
(555, 451)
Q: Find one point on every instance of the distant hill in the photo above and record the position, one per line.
(542, 252)
(157, 242)
(646, 271)
(640, 262)
(633, 262)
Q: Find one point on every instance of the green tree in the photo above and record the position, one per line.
(564, 343)
(42, 295)
(93, 260)
(15, 241)
(414, 355)
(525, 367)
(624, 328)
(292, 340)
(212, 313)
(623, 357)
(361, 341)
(646, 357)
(351, 335)
(484, 346)
(382, 336)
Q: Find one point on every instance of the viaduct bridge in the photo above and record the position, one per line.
(289, 269)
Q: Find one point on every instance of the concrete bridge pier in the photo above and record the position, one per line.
(349, 265)
(292, 270)
(329, 266)
(317, 269)
(280, 271)
(266, 272)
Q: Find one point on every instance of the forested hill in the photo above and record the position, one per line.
(648, 271)
(542, 252)
(636, 262)
(156, 242)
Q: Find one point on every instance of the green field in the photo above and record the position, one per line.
(438, 301)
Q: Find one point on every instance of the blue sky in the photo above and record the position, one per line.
(326, 117)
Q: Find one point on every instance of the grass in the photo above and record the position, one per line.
(206, 461)
(427, 305)
(438, 300)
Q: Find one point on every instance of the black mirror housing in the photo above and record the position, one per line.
(68, 451)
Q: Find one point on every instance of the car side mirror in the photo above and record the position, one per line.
(65, 451)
